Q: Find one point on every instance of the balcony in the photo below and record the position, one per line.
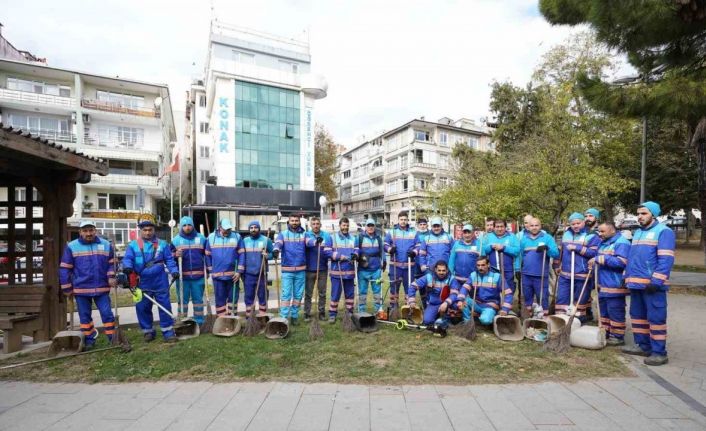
(118, 108)
(110, 214)
(35, 98)
(112, 142)
(53, 135)
(126, 180)
(420, 165)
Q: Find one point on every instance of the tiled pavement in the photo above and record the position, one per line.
(668, 397)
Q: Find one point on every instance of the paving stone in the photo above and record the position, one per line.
(351, 409)
(121, 407)
(313, 413)
(428, 415)
(16, 393)
(78, 422)
(59, 403)
(420, 393)
(187, 393)
(649, 387)
(679, 424)
(612, 407)
(388, 413)
(498, 407)
(385, 390)
(159, 417)
(533, 407)
(275, 413)
(28, 421)
(64, 388)
(239, 411)
(194, 419)
(321, 389)
(643, 403)
(445, 391)
(679, 405)
(158, 389)
(465, 413)
(217, 396)
(590, 419)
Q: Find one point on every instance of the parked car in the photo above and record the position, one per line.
(676, 222)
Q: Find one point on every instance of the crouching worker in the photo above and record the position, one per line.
(147, 257)
(87, 273)
(442, 290)
(488, 285)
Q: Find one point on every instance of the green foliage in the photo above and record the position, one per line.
(325, 166)
(515, 111)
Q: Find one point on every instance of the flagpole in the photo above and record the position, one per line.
(180, 206)
(171, 198)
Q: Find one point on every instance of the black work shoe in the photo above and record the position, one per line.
(612, 341)
(89, 347)
(656, 360)
(295, 322)
(332, 320)
(307, 318)
(322, 316)
(635, 350)
(148, 337)
(171, 340)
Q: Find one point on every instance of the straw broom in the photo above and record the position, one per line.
(253, 326)
(347, 321)
(562, 342)
(315, 330)
(210, 319)
(468, 329)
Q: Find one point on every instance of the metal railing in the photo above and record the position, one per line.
(36, 98)
(136, 180)
(52, 135)
(100, 105)
(423, 165)
(110, 142)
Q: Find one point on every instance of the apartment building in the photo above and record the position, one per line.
(197, 160)
(256, 130)
(126, 122)
(402, 169)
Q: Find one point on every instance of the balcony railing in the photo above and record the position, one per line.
(423, 165)
(122, 179)
(35, 98)
(112, 142)
(118, 108)
(52, 135)
(110, 214)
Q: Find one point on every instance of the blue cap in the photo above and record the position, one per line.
(594, 212)
(436, 220)
(226, 224)
(86, 223)
(254, 223)
(145, 223)
(576, 216)
(468, 227)
(422, 220)
(186, 220)
(653, 207)
(369, 222)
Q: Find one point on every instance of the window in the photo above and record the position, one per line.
(51, 128)
(421, 135)
(404, 184)
(119, 99)
(203, 127)
(473, 142)
(203, 175)
(204, 151)
(202, 101)
(403, 162)
(119, 232)
(420, 184)
(491, 146)
(118, 201)
(443, 138)
(38, 87)
(346, 174)
(117, 136)
(418, 156)
(443, 161)
(243, 57)
(102, 201)
(290, 67)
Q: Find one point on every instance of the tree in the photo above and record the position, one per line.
(666, 42)
(515, 113)
(325, 165)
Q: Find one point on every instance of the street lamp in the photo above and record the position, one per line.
(643, 159)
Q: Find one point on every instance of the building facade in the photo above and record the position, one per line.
(127, 123)
(401, 169)
(256, 129)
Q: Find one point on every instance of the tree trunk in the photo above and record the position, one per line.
(608, 210)
(698, 141)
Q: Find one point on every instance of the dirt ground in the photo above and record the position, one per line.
(691, 256)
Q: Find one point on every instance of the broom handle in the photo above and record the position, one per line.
(583, 289)
(115, 289)
(181, 288)
(475, 291)
(541, 282)
(573, 260)
(315, 290)
(595, 286)
(71, 312)
(158, 305)
(205, 281)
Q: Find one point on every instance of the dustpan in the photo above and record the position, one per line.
(69, 341)
(508, 328)
(277, 328)
(185, 328)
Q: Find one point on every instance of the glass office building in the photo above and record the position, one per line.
(267, 136)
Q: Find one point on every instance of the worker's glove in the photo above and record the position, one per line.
(319, 239)
(392, 250)
(384, 265)
(542, 248)
(128, 271)
(411, 254)
(275, 253)
(652, 288)
(354, 257)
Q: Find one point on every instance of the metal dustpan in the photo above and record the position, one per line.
(557, 322)
(187, 328)
(227, 326)
(536, 329)
(365, 322)
(277, 328)
(412, 313)
(69, 341)
(508, 328)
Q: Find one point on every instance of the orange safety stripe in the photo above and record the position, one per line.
(640, 321)
(619, 290)
(220, 274)
(665, 253)
(658, 327)
(618, 324)
(293, 268)
(576, 275)
(92, 290)
(659, 276)
(109, 331)
(66, 286)
(508, 305)
(644, 242)
(66, 265)
(637, 280)
(87, 325)
(640, 330)
(89, 253)
(617, 331)
(109, 324)
(660, 337)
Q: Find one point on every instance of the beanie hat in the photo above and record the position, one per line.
(594, 212)
(653, 207)
(576, 216)
(186, 220)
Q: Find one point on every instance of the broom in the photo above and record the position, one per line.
(468, 329)
(253, 326)
(562, 342)
(210, 319)
(119, 337)
(347, 320)
(315, 330)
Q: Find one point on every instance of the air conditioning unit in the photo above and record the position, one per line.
(86, 119)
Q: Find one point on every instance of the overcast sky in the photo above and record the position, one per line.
(386, 62)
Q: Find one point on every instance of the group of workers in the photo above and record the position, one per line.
(474, 276)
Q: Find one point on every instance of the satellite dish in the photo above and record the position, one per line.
(323, 201)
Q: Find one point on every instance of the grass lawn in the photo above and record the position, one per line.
(388, 356)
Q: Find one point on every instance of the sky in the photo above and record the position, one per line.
(386, 62)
